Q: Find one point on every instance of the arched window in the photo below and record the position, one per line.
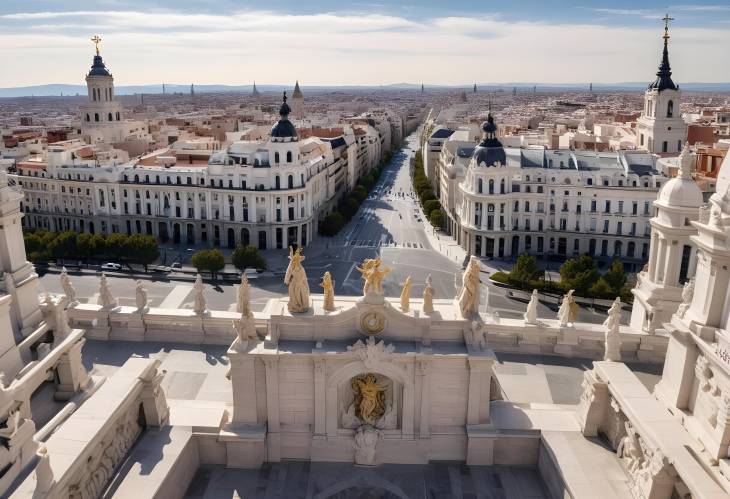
(110, 117)
(501, 186)
(290, 181)
(670, 109)
(288, 156)
(479, 186)
(88, 118)
(276, 157)
(491, 186)
(276, 180)
(96, 116)
(117, 115)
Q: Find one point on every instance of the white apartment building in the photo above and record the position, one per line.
(269, 192)
(501, 202)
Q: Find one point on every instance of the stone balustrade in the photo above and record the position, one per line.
(84, 453)
(652, 444)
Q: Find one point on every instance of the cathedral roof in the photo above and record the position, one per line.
(98, 68)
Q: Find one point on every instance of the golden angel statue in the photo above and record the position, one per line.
(369, 398)
(296, 279)
(373, 275)
(428, 296)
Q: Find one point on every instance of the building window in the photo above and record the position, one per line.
(276, 157)
(479, 186)
(670, 109)
(290, 181)
(288, 157)
(665, 146)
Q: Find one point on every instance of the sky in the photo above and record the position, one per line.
(324, 42)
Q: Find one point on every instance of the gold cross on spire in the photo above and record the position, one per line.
(666, 20)
(96, 41)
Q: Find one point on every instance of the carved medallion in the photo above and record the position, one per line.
(372, 322)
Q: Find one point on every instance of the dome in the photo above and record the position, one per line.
(98, 68)
(489, 150)
(681, 193)
(489, 126)
(284, 129)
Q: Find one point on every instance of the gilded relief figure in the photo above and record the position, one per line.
(405, 296)
(369, 398)
(373, 275)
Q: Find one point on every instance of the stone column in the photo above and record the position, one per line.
(423, 370)
(72, 375)
(273, 437)
(320, 406)
(243, 385)
(480, 372)
(671, 276)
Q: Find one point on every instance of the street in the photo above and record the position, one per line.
(387, 224)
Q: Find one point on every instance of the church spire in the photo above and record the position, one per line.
(664, 75)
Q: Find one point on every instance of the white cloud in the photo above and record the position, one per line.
(333, 48)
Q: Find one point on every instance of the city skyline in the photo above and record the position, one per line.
(365, 44)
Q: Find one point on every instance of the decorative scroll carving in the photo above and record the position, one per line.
(370, 352)
(372, 322)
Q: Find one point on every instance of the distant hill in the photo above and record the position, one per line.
(57, 89)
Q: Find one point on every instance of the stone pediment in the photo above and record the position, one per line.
(355, 317)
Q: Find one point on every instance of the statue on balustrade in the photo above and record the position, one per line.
(67, 287)
(243, 297)
(106, 299)
(613, 341)
(469, 295)
(141, 297)
(296, 279)
(428, 296)
(199, 303)
(329, 292)
(373, 275)
(405, 296)
(568, 312)
(531, 312)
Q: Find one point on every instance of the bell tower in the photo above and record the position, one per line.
(101, 117)
(19, 279)
(661, 129)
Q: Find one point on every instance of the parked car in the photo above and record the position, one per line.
(111, 266)
(176, 266)
(251, 273)
(162, 269)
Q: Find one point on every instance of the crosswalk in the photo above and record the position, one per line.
(388, 243)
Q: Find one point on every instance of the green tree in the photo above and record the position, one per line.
(615, 277)
(116, 246)
(64, 246)
(332, 224)
(360, 193)
(349, 207)
(579, 274)
(524, 271)
(88, 245)
(208, 261)
(248, 257)
(436, 217)
(143, 249)
(430, 205)
(601, 289)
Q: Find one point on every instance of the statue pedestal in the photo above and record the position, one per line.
(373, 298)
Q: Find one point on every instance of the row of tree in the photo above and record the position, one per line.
(243, 257)
(580, 274)
(42, 246)
(348, 205)
(421, 185)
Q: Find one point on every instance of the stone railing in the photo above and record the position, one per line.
(82, 456)
(157, 324)
(660, 458)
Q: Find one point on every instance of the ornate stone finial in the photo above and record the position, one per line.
(67, 287)
(199, 303)
(245, 328)
(296, 279)
(370, 352)
(685, 163)
(96, 39)
(666, 20)
(568, 312)
(43, 472)
(687, 292)
(243, 297)
(405, 296)
(140, 297)
(613, 341)
(531, 312)
(428, 296)
(329, 292)
(106, 299)
(469, 295)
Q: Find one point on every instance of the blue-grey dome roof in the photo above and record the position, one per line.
(284, 128)
(490, 149)
(98, 68)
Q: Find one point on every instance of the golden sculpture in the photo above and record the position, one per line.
(296, 279)
(369, 398)
(329, 291)
(96, 41)
(373, 275)
(405, 296)
(428, 296)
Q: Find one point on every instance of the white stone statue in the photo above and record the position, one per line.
(106, 299)
(405, 296)
(43, 473)
(67, 287)
(11, 425)
(140, 297)
(568, 311)
(199, 303)
(329, 292)
(366, 441)
(613, 341)
(531, 312)
(469, 295)
(245, 328)
(243, 297)
(428, 296)
(687, 292)
(296, 279)
(55, 308)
